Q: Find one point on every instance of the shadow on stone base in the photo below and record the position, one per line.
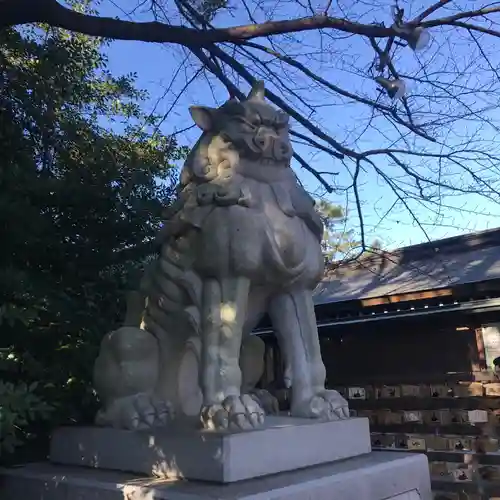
(376, 476)
(283, 444)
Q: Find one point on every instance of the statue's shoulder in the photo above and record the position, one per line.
(305, 208)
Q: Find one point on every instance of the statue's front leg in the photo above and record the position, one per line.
(224, 312)
(293, 318)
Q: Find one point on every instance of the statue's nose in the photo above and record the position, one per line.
(261, 141)
(265, 138)
(265, 134)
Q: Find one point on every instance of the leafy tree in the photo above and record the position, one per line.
(420, 125)
(339, 239)
(84, 176)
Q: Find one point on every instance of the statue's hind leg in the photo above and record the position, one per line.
(293, 318)
(224, 312)
(125, 374)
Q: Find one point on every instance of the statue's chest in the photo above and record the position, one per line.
(284, 229)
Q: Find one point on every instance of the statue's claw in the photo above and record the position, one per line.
(137, 412)
(326, 405)
(266, 400)
(234, 413)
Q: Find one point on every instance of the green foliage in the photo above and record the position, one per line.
(84, 178)
(19, 406)
(338, 239)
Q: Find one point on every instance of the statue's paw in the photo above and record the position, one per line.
(337, 406)
(147, 411)
(326, 405)
(266, 400)
(137, 412)
(234, 413)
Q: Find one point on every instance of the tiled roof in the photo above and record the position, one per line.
(465, 259)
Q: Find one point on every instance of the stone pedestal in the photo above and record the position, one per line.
(376, 476)
(283, 444)
(289, 459)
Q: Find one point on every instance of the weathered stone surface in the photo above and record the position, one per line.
(243, 239)
(377, 476)
(283, 444)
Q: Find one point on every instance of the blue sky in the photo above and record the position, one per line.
(344, 62)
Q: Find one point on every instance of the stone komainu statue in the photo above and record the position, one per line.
(242, 239)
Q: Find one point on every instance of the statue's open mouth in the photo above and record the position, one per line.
(257, 156)
(272, 162)
(251, 151)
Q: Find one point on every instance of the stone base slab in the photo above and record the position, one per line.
(376, 476)
(283, 444)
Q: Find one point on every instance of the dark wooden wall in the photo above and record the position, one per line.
(400, 351)
(441, 358)
(438, 354)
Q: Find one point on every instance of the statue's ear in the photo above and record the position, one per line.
(203, 116)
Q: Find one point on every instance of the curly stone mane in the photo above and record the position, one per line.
(214, 175)
(242, 239)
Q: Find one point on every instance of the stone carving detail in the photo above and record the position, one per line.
(242, 239)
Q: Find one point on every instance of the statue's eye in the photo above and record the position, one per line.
(254, 120)
(245, 122)
(281, 120)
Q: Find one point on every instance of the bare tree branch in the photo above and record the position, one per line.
(424, 151)
(430, 10)
(469, 14)
(15, 12)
